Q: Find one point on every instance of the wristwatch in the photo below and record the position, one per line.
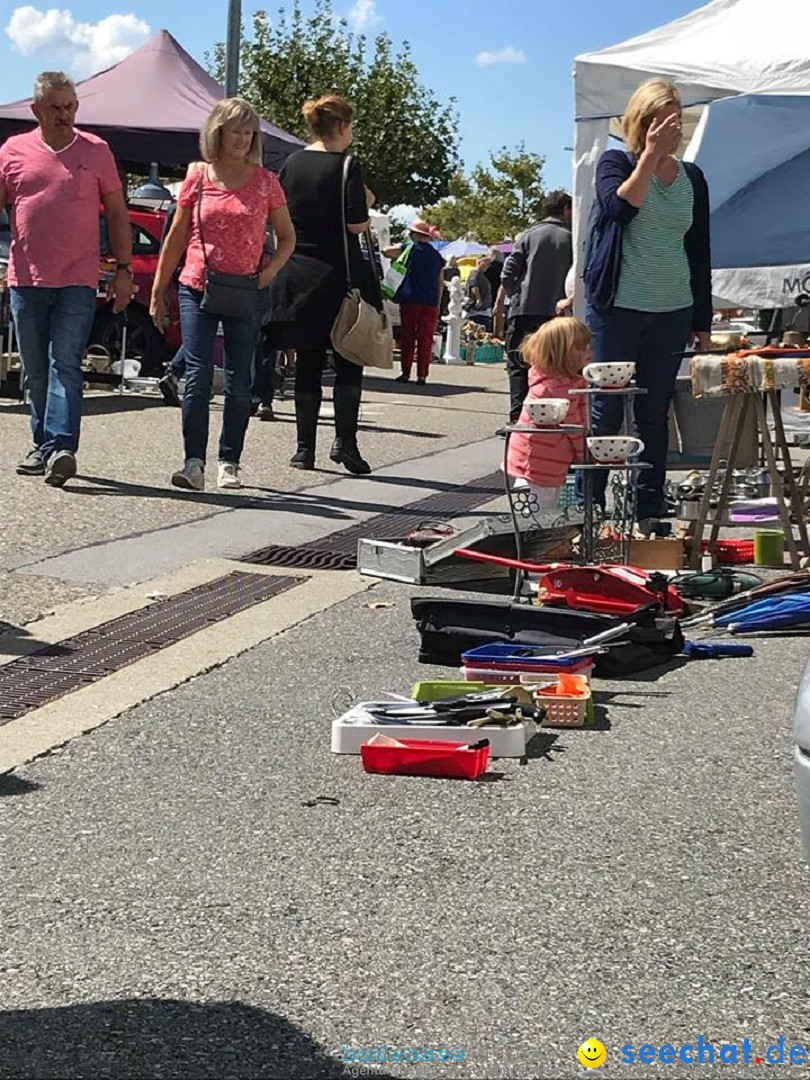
(124, 266)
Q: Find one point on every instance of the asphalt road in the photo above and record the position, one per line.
(176, 903)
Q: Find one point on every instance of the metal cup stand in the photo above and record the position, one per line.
(626, 515)
(526, 429)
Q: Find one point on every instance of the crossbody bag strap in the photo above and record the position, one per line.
(344, 193)
(199, 214)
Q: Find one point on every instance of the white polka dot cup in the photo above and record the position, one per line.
(614, 449)
(609, 376)
(545, 411)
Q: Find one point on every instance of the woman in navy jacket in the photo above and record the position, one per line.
(647, 275)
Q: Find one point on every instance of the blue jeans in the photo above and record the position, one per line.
(52, 327)
(652, 341)
(199, 334)
(177, 364)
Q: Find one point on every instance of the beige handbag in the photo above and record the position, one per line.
(360, 332)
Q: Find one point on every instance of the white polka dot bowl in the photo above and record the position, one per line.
(610, 376)
(545, 411)
(613, 449)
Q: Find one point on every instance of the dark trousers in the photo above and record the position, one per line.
(517, 329)
(309, 365)
(653, 341)
(263, 372)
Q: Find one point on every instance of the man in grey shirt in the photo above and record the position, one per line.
(534, 280)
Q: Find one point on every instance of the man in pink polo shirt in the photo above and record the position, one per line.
(54, 178)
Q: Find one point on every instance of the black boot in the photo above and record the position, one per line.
(344, 448)
(307, 407)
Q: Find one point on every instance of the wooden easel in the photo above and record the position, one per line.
(731, 428)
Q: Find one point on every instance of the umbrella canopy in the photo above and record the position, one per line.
(461, 249)
(772, 613)
(150, 107)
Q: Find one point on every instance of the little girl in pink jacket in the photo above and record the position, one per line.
(556, 355)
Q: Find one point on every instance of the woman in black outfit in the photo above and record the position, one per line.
(306, 297)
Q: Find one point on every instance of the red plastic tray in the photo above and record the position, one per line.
(731, 552)
(425, 757)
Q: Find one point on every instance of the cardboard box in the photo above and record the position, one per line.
(664, 554)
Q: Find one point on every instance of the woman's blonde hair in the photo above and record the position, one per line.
(651, 96)
(552, 348)
(327, 114)
(232, 112)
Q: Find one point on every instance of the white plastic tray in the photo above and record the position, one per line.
(356, 727)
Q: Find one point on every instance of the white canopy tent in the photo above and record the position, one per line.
(755, 150)
(725, 48)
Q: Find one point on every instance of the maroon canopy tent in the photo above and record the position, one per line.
(150, 107)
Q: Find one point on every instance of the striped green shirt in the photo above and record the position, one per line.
(655, 269)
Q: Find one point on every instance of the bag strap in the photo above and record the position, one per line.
(344, 194)
(199, 213)
(347, 164)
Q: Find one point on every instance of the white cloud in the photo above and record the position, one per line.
(363, 15)
(90, 47)
(502, 56)
(403, 212)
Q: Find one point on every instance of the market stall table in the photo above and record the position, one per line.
(751, 379)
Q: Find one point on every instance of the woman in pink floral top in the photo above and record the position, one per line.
(238, 200)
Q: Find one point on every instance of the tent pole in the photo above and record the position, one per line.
(232, 43)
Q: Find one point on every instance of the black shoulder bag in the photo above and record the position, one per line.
(227, 295)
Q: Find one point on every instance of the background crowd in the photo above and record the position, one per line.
(270, 259)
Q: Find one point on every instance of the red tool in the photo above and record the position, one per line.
(606, 590)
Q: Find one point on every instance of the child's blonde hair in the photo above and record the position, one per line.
(552, 349)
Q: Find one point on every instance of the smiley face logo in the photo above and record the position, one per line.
(592, 1054)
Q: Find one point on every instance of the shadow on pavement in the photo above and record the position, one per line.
(540, 745)
(279, 500)
(382, 429)
(99, 405)
(430, 389)
(16, 639)
(152, 1038)
(653, 674)
(291, 501)
(15, 785)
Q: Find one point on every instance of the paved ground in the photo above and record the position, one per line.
(179, 901)
(130, 446)
(174, 905)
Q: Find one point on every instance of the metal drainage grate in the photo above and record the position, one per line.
(56, 670)
(338, 551)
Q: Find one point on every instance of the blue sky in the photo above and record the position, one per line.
(508, 64)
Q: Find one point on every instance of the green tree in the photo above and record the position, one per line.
(405, 137)
(494, 203)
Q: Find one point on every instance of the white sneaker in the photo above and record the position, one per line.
(228, 476)
(191, 477)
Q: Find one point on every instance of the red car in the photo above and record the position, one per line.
(143, 340)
